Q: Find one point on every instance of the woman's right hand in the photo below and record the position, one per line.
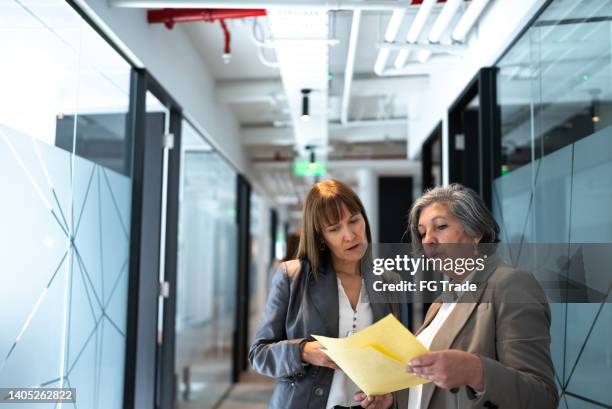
(313, 354)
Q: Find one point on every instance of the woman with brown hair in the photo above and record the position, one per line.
(322, 292)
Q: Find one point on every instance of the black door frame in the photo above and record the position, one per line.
(149, 362)
(479, 161)
(427, 179)
(241, 329)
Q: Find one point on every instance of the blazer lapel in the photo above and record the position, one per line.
(323, 294)
(455, 322)
(446, 335)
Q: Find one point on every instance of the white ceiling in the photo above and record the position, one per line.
(264, 106)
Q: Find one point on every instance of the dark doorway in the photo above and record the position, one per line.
(394, 201)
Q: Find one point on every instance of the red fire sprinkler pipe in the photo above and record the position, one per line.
(226, 34)
(171, 16)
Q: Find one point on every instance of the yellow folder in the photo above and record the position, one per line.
(375, 358)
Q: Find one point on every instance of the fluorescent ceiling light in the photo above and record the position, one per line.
(394, 25)
(468, 20)
(441, 25)
(390, 34)
(415, 30)
(419, 21)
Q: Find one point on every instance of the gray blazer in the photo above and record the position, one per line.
(299, 306)
(508, 326)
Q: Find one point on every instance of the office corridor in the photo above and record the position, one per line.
(155, 169)
(252, 392)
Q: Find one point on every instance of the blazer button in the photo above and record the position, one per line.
(318, 391)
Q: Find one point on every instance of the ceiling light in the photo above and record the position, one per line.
(390, 34)
(468, 20)
(415, 30)
(305, 104)
(446, 15)
(594, 108)
(394, 25)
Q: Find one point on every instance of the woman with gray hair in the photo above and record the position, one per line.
(493, 349)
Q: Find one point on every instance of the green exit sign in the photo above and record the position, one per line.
(305, 168)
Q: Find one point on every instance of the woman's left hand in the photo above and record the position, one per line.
(449, 369)
(374, 402)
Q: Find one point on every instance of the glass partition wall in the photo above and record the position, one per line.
(206, 282)
(554, 184)
(97, 294)
(66, 184)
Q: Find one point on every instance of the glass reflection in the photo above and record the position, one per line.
(206, 274)
(555, 99)
(554, 85)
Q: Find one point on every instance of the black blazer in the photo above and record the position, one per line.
(300, 305)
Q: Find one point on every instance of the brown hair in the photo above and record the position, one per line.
(323, 207)
(291, 245)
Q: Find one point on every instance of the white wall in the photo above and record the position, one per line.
(500, 23)
(175, 63)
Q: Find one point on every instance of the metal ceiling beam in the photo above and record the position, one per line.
(458, 49)
(389, 167)
(272, 91)
(244, 92)
(372, 131)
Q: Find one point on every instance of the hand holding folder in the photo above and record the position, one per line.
(376, 357)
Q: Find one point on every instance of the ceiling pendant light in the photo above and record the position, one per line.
(305, 104)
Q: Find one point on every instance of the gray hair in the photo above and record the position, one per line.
(464, 204)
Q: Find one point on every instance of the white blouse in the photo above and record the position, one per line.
(350, 321)
(427, 336)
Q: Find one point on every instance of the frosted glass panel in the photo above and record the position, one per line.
(592, 189)
(61, 295)
(592, 372)
(65, 167)
(552, 197)
(512, 202)
(65, 321)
